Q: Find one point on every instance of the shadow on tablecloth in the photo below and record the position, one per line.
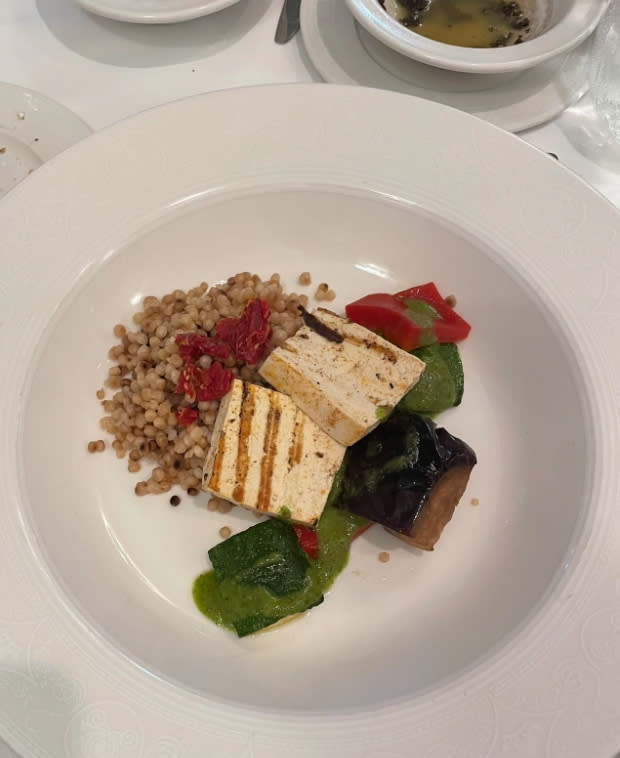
(146, 45)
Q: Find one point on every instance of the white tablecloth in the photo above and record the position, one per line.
(106, 70)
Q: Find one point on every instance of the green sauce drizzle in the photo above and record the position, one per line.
(228, 603)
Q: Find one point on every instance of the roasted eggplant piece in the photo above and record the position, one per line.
(407, 475)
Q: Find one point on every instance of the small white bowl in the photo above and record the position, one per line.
(560, 26)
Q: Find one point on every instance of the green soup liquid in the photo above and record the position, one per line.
(472, 23)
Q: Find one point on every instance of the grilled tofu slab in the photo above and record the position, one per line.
(345, 377)
(267, 455)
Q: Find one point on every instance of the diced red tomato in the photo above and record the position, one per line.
(385, 314)
(412, 318)
(450, 327)
(308, 540)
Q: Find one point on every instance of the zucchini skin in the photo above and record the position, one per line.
(442, 382)
(266, 554)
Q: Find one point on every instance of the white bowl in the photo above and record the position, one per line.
(561, 25)
(455, 651)
(502, 556)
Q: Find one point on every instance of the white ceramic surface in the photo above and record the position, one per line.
(502, 641)
(344, 53)
(566, 24)
(154, 11)
(33, 129)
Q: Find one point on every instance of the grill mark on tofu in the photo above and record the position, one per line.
(317, 326)
(218, 461)
(385, 351)
(272, 427)
(296, 447)
(242, 465)
(288, 347)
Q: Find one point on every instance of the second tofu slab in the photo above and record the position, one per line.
(345, 377)
(268, 455)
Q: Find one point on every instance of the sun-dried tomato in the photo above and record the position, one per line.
(189, 377)
(193, 345)
(186, 416)
(254, 332)
(248, 335)
(226, 330)
(214, 382)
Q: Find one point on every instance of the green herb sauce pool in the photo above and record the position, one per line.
(227, 602)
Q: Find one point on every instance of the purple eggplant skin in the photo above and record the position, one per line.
(407, 475)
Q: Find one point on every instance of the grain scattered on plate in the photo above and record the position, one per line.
(142, 403)
(323, 292)
(304, 279)
(474, 501)
(219, 504)
(225, 532)
(384, 557)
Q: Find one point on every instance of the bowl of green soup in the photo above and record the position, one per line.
(480, 36)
